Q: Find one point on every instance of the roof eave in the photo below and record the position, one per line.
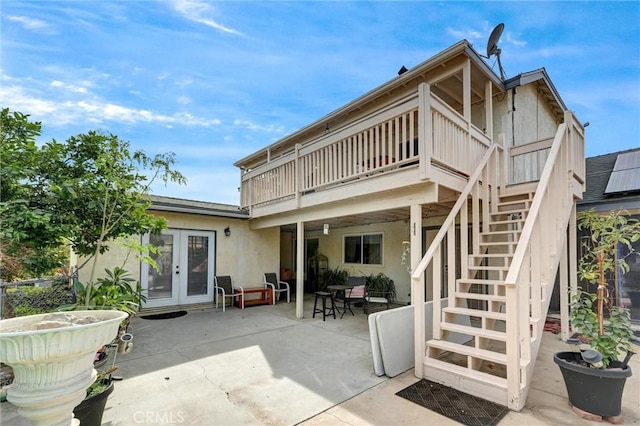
(531, 76)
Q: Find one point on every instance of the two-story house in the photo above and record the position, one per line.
(470, 178)
(476, 175)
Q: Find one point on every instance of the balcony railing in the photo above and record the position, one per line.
(389, 139)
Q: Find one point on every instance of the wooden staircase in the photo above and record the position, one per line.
(481, 296)
(498, 302)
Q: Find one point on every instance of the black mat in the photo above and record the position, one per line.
(166, 315)
(451, 403)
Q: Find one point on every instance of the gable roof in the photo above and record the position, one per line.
(547, 89)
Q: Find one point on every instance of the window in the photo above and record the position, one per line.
(363, 249)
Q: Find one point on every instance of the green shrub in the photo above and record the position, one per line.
(24, 300)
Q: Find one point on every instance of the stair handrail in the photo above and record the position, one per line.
(473, 180)
(534, 210)
(520, 347)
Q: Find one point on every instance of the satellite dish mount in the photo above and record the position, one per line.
(492, 46)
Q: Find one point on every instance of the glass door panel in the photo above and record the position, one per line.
(197, 249)
(161, 280)
(198, 265)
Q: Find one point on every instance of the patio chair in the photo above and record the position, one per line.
(376, 296)
(271, 279)
(224, 285)
(352, 295)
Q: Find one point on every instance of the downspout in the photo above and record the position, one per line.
(513, 120)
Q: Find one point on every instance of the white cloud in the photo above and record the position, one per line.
(256, 127)
(198, 12)
(71, 87)
(64, 112)
(511, 39)
(29, 23)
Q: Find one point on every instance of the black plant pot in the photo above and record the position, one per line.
(90, 410)
(593, 390)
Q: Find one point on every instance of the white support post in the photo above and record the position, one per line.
(464, 240)
(573, 273)
(451, 263)
(488, 108)
(437, 291)
(298, 175)
(425, 134)
(300, 270)
(417, 290)
(564, 283)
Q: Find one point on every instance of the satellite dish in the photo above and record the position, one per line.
(492, 46)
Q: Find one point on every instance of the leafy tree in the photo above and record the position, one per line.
(85, 192)
(25, 231)
(599, 262)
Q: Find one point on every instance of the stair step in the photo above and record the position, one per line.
(491, 255)
(474, 331)
(518, 221)
(457, 348)
(498, 243)
(488, 268)
(476, 259)
(481, 296)
(494, 216)
(479, 281)
(524, 196)
(504, 232)
(475, 313)
(483, 385)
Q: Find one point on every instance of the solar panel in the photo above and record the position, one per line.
(625, 176)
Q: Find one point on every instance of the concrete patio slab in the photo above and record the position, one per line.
(263, 366)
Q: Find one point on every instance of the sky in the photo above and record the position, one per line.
(214, 82)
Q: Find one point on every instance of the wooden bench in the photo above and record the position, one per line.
(266, 296)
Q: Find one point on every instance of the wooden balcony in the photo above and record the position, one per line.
(402, 144)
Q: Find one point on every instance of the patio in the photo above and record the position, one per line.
(262, 365)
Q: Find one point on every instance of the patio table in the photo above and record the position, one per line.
(345, 302)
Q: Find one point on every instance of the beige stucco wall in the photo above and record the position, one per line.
(245, 255)
(394, 233)
(117, 255)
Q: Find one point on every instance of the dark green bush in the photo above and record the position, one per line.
(28, 299)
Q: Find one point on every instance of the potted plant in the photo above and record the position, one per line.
(335, 276)
(116, 290)
(89, 412)
(595, 377)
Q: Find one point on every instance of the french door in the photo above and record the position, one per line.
(185, 270)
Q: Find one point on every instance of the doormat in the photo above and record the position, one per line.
(166, 315)
(458, 406)
(552, 325)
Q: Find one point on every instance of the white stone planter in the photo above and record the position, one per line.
(53, 367)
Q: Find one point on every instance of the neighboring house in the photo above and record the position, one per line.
(613, 183)
(444, 147)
